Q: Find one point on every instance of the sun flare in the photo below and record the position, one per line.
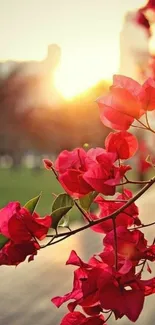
(72, 78)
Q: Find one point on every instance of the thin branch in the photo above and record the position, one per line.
(60, 239)
(138, 127)
(136, 182)
(108, 317)
(147, 120)
(112, 215)
(82, 211)
(143, 226)
(54, 172)
(49, 243)
(145, 126)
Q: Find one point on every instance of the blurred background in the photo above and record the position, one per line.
(56, 58)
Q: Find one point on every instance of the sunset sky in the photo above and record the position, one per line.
(86, 30)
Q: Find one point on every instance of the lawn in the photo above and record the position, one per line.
(24, 184)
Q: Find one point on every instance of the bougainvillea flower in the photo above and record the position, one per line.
(112, 117)
(14, 254)
(124, 144)
(127, 100)
(74, 183)
(85, 172)
(102, 286)
(126, 218)
(150, 5)
(74, 159)
(77, 318)
(20, 225)
(71, 166)
(102, 175)
(143, 21)
(149, 87)
(131, 244)
(122, 301)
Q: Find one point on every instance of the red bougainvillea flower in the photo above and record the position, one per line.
(126, 218)
(131, 245)
(112, 117)
(123, 104)
(81, 172)
(102, 286)
(77, 318)
(14, 254)
(102, 175)
(71, 167)
(143, 21)
(149, 87)
(150, 5)
(126, 101)
(124, 144)
(20, 225)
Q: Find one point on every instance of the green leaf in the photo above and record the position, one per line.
(3, 240)
(64, 223)
(57, 215)
(61, 205)
(62, 200)
(87, 200)
(32, 204)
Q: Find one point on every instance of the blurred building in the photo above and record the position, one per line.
(36, 119)
(36, 78)
(134, 47)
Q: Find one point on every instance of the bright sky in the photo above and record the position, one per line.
(86, 30)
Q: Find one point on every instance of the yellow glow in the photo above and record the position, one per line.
(73, 78)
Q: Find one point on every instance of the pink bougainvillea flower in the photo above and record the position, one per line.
(85, 172)
(102, 175)
(150, 5)
(126, 218)
(131, 245)
(77, 318)
(148, 286)
(112, 117)
(149, 87)
(74, 159)
(143, 21)
(124, 144)
(123, 104)
(71, 166)
(122, 301)
(14, 254)
(20, 225)
(127, 100)
(74, 183)
(129, 95)
(104, 288)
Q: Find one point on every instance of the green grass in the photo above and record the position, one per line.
(23, 184)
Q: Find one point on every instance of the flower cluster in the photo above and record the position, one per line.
(111, 280)
(21, 230)
(81, 172)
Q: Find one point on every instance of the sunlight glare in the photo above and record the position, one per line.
(73, 78)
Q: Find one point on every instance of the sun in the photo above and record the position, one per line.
(71, 82)
(74, 77)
